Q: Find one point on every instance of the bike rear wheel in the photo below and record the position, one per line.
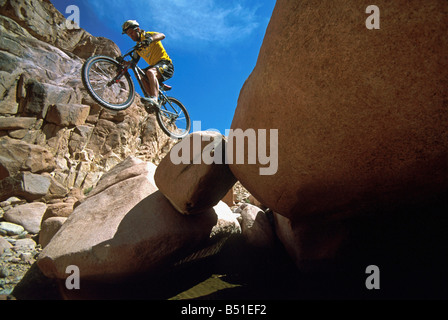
(173, 118)
(99, 76)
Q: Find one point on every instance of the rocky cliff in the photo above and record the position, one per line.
(51, 131)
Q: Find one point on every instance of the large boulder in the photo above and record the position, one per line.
(361, 117)
(126, 226)
(361, 114)
(194, 175)
(27, 215)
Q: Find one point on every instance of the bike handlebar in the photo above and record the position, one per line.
(138, 46)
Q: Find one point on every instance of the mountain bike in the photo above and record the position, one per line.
(109, 83)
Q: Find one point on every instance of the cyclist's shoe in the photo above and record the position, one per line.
(150, 103)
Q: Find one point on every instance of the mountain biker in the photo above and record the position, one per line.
(152, 51)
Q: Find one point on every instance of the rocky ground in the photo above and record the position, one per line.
(16, 261)
(18, 251)
(19, 248)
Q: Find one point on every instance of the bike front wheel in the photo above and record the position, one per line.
(173, 118)
(101, 77)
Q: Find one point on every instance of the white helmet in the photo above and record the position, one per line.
(129, 24)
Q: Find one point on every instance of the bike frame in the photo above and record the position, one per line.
(139, 75)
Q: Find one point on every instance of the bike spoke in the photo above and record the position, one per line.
(105, 73)
(100, 76)
(119, 91)
(174, 119)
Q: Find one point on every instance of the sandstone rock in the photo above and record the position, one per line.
(12, 201)
(14, 123)
(194, 184)
(104, 137)
(358, 125)
(16, 156)
(24, 244)
(90, 46)
(255, 226)
(40, 96)
(60, 209)
(27, 215)
(4, 244)
(49, 228)
(311, 242)
(143, 228)
(27, 185)
(79, 138)
(57, 139)
(11, 229)
(8, 104)
(18, 134)
(56, 190)
(39, 63)
(131, 167)
(68, 114)
(34, 186)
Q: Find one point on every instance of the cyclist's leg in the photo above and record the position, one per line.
(151, 82)
(165, 70)
(161, 71)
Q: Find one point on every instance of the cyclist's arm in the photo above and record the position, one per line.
(155, 36)
(136, 57)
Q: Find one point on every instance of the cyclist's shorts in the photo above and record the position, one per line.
(165, 69)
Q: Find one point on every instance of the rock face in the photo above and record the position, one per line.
(47, 24)
(361, 113)
(143, 228)
(48, 123)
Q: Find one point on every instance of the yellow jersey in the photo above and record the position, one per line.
(154, 52)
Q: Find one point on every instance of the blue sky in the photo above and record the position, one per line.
(214, 45)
